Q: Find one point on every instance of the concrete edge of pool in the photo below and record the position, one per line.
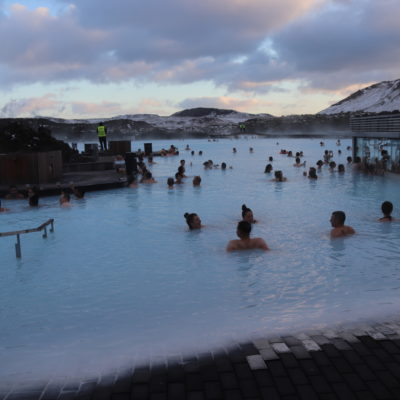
(351, 362)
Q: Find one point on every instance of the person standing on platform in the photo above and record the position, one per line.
(102, 134)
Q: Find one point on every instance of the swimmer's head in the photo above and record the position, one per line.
(278, 175)
(298, 161)
(387, 208)
(247, 214)
(197, 180)
(338, 218)
(268, 168)
(193, 220)
(170, 182)
(243, 229)
(223, 165)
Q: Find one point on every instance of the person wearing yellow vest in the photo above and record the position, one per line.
(102, 134)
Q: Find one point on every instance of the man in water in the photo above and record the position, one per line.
(339, 228)
(245, 242)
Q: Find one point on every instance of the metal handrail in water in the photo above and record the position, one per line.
(38, 229)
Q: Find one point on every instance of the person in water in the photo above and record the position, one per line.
(170, 183)
(247, 215)
(245, 242)
(268, 169)
(148, 178)
(178, 179)
(77, 191)
(339, 228)
(33, 196)
(387, 209)
(298, 162)
(196, 180)
(65, 199)
(193, 221)
(13, 193)
(279, 177)
(312, 173)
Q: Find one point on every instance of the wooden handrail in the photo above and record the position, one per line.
(38, 229)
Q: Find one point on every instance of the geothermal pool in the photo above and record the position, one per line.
(123, 279)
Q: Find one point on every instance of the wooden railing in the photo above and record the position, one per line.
(42, 227)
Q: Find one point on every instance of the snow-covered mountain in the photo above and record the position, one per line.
(383, 96)
(205, 121)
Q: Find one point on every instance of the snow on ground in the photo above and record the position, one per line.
(384, 96)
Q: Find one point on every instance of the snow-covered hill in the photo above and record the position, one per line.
(383, 96)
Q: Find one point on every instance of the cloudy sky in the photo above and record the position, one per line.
(96, 58)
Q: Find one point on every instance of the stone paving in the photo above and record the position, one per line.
(362, 363)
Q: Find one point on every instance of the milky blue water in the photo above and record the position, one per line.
(122, 278)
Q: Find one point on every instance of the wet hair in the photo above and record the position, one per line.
(297, 154)
(312, 173)
(332, 164)
(192, 152)
(320, 163)
(245, 210)
(178, 175)
(244, 227)
(341, 168)
(340, 216)
(223, 165)
(270, 158)
(268, 168)
(67, 196)
(170, 181)
(181, 170)
(197, 180)
(349, 159)
(298, 160)
(182, 162)
(278, 174)
(189, 219)
(200, 153)
(387, 208)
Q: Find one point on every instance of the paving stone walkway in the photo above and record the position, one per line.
(362, 363)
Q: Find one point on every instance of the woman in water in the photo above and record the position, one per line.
(247, 215)
(193, 221)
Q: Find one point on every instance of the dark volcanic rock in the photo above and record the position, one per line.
(18, 136)
(203, 112)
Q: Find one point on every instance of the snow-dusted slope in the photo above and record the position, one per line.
(383, 96)
(206, 120)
